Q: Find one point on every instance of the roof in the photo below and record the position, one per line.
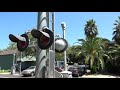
(27, 58)
(7, 52)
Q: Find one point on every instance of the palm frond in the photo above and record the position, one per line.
(115, 24)
(114, 32)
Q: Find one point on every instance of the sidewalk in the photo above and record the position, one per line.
(99, 76)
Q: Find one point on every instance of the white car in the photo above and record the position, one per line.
(29, 72)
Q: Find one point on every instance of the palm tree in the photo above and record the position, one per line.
(91, 29)
(116, 33)
(113, 63)
(114, 52)
(93, 52)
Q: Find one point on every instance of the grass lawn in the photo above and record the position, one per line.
(4, 71)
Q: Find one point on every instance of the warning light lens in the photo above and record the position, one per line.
(22, 44)
(44, 40)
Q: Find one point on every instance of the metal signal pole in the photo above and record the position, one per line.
(41, 54)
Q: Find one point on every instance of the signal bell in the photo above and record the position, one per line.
(45, 37)
(22, 41)
(60, 45)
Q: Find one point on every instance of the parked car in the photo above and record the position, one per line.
(77, 71)
(81, 70)
(29, 71)
(74, 70)
(58, 69)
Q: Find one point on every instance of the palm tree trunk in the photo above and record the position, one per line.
(91, 61)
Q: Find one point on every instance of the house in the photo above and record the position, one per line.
(8, 58)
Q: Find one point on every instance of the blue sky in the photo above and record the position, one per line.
(18, 22)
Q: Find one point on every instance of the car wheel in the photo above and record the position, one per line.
(32, 74)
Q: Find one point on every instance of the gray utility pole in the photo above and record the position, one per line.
(13, 60)
(20, 62)
(53, 22)
(51, 55)
(13, 67)
(63, 25)
(41, 54)
(53, 46)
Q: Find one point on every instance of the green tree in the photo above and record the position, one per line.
(11, 46)
(116, 32)
(114, 52)
(72, 53)
(93, 51)
(59, 56)
(113, 62)
(31, 49)
(90, 29)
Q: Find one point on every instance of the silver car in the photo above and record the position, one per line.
(29, 72)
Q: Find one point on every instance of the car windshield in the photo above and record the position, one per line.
(32, 67)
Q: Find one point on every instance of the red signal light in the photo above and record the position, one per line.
(22, 44)
(22, 41)
(45, 38)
